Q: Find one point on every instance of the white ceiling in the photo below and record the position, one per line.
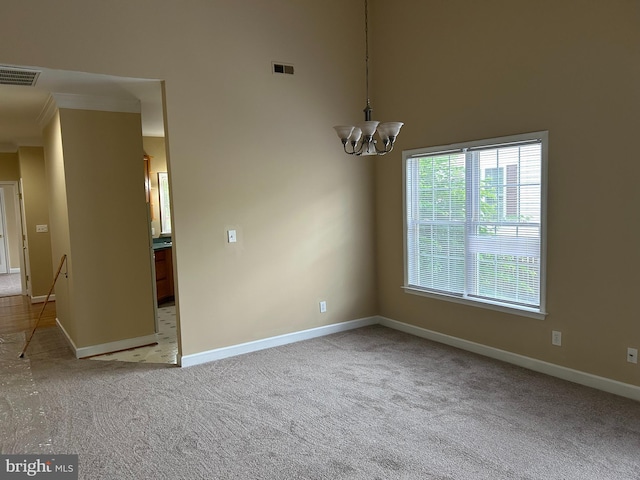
(21, 106)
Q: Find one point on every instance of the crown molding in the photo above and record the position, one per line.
(47, 112)
(92, 102)
(74, 101)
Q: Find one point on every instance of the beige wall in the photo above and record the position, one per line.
(248, 150)
(36, 205)
(155, 148)
(9, 166)
(108, 247)
(462, 70)
(59, 224)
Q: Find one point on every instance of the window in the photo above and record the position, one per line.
(165, 204)
(475, 222)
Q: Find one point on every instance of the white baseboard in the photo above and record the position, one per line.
(575, 376)
(14, 270)
(43, 298)
(67, 336)
(92, 350)
(225, 352)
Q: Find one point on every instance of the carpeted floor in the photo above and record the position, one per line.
(371, 403)
(10, 284)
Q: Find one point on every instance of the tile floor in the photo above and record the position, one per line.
(166, 351)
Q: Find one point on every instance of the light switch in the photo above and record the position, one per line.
(231, 236)
(42, 228)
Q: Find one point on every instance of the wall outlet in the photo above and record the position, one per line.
(632, 355)
(323, 306)
(231, 236)
(556, 338)
(42, 228)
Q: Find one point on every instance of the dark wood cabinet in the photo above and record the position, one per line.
(164, 274)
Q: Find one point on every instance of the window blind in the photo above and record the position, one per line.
(473, 222)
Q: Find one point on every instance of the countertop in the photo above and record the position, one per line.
(161, 245)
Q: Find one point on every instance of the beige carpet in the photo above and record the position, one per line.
(10, 284)
(367, 404)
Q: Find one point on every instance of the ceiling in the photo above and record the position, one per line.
(21, 106)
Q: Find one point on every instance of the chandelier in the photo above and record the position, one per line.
(361, 139)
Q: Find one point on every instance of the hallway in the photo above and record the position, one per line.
(18, 314)
(10, 284)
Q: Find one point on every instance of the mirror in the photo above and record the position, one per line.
(165, 204)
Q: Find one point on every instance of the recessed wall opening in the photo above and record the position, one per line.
(29, 98)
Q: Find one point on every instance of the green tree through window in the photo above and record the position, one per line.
(474, 223)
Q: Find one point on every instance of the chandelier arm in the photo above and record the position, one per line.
(354, 150)
(385, 150)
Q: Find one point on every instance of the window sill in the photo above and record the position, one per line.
(520, 311)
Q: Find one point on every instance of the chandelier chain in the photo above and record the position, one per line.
(366, 47)
(360, 139)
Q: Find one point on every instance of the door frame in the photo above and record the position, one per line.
(25, 267)
(17, 204)
(4, 243)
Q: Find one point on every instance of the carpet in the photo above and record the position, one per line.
(371, 403)
(10, 284)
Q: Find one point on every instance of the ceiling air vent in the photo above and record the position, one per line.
(18, 76)
(282, 68)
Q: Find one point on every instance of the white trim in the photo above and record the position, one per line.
(18, 215)
(571, 375)
(103, 348)
(480, 303)
(43, 298)
(541, 136)
(48, 110)
(85, 102)
(67, 336)
(93, 102)
(3, 232)
(600, 383)
(233, 350)
(100, 349)
(116, 346)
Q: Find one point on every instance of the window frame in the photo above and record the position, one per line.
(520, 310)
(164, 203)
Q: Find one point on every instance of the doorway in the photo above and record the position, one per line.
(147, 95)
(12, 269)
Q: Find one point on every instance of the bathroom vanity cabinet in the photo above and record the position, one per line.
(164, 274)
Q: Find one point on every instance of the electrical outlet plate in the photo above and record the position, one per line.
(231, 236)
(323, 306)
(632, 355)
(556, 338)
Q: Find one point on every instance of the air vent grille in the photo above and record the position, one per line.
(282, 68)
(18, 76)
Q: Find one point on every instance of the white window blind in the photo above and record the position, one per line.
(474, 221)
